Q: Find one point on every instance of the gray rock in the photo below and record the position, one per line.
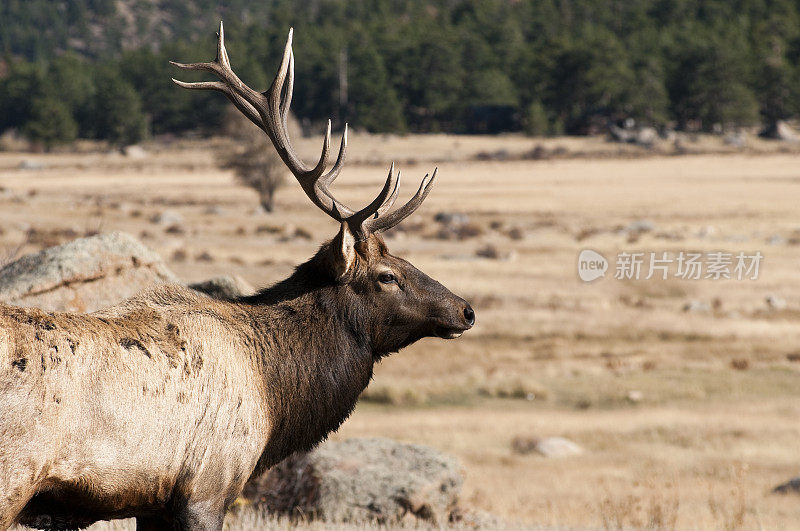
(451, 218)
(557, 447)
(29, 164)
(168, 217)
(548, 446)
(641, 225)
(634, 396)
(697, 306)
(776, 239)
(214, 210)
(362, 480)
(493, 253)
(621, 134)
(646, 136)
(224, 287)
(83, 275)
(775, 303)
(134, 152)
(630, 134)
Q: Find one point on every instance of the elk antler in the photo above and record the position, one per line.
(270, 111)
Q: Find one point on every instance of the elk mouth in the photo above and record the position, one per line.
(447, 332)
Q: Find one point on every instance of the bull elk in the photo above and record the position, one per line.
(162, 407)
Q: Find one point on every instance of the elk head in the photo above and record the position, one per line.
(399, 304)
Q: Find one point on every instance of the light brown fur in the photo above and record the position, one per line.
(108, 400)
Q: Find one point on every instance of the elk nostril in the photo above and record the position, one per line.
(469, 315)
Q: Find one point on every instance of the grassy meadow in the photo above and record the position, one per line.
(684, 394)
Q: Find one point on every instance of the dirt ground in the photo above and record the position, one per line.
(684, 394)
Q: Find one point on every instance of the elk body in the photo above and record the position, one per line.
(162, 407)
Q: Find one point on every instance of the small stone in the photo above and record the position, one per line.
(641, 225)
(557, 447)
(28, 164)
(493, 253)
(451, 218)
(134, 152)
(775, 303)
(214, 210)
(635, 396)
(167, 217)
(696, 306)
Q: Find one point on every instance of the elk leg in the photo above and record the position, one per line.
(152, 524)
(201, 517)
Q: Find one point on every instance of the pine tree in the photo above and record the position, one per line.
(117, 110)
(50, 123)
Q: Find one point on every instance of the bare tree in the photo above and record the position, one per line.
(253, 160)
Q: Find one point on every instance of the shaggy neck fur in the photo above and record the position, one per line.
(325, 359)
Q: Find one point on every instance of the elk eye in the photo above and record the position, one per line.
(387, 278)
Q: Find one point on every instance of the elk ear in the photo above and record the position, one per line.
(343, 253)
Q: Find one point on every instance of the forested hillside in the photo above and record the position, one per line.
(99, 68)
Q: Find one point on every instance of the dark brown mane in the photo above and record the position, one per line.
(314, 385)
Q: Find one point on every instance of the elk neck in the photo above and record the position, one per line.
(315, 358)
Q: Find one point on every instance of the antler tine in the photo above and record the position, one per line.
(240, 103)
(333, 173)
(393, 197)
(277, 116)
(358, 221)
(390, 220)
(325, 181)
(246, 108)
(274, 91)
(287, 100)
(222, 53)
(246, 102)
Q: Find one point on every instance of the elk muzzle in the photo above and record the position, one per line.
(453, 327)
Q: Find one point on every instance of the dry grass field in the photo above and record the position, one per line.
(688, 418)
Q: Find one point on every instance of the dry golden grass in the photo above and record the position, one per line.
(688, 419)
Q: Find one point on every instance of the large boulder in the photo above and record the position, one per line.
(362, 480)
(225, 287)
(83, 275)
